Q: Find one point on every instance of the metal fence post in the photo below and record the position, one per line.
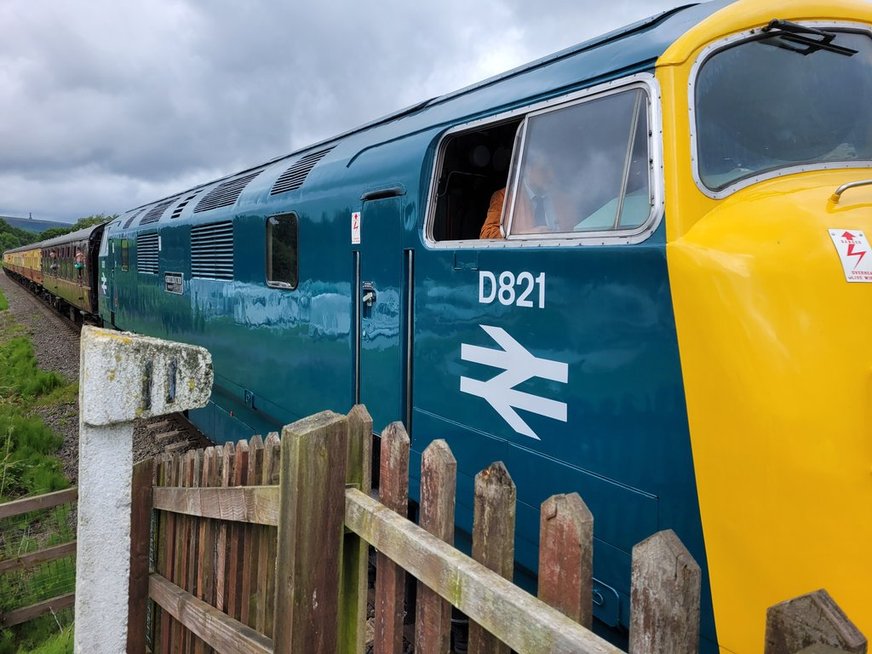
(122, 377)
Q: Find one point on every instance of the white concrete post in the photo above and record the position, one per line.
(122, 377)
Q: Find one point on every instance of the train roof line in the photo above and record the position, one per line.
(590, 44)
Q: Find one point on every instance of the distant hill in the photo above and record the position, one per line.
(35, 226)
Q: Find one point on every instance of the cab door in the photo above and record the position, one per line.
(105, 278)
(380, 368)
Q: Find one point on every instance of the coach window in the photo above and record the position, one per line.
(281, 251)
(125, 254)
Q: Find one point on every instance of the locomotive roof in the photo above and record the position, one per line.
(633, 47)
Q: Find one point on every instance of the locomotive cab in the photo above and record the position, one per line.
(768, 269)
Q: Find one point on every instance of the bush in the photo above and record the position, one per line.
(3, 303)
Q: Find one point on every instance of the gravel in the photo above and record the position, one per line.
(56, 346)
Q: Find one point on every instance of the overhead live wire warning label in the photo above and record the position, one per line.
(853, 249)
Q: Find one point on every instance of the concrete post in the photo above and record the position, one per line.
(122, 377)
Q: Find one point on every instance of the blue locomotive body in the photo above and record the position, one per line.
(585, 268)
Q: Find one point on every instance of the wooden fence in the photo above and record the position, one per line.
(262, 547)
(37, 573)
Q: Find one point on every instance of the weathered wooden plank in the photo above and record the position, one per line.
(266, 572)
(228, 453)
(252, 545)
(664, 597)
(191, 480)
(438, 490)
(516, 617)
(41, 556)
(180, 571)
(236, 552)
(493, 540)
(140, 541)
(390, 578)
(811, 620)
(168, 478)
(310, 534)
(253, 504)
(205, 542)
(28, 613)
(355, 550)
(46, 501)
(566, 557)
(215, 628)
(160, 554)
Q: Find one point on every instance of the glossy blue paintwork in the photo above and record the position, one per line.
(280, 355)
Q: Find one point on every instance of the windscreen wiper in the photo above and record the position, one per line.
(803, 39)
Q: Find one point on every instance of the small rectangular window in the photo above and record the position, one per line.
(281, 251)
(125, 254)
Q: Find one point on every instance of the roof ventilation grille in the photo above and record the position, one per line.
(156, 212)
(133, 217)
(293, 177)
(178, 210)
(226, 193)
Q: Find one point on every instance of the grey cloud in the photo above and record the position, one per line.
(111, 104)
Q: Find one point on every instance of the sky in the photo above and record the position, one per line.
(109, 104)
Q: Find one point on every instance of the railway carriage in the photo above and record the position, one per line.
(673, 320)
(62, 269)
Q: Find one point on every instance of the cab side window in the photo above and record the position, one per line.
(281, 251)
(582, 169)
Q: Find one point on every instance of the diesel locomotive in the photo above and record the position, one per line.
(672, 316)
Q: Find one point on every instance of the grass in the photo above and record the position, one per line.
(29, 466)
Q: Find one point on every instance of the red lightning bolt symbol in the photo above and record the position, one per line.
(851, 253)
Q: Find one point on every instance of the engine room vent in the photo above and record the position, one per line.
(293, 177)
(156, 212)
(178, 210)
(212, 250)
(226, 193)
(132, 218)
(147, 248)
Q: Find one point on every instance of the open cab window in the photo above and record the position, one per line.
(577, 170)
(281, 251)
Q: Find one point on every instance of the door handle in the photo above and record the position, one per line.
(368, 296)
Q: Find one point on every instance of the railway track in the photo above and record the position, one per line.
(55, 338)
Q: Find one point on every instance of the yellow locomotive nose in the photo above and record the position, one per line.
(773, 305)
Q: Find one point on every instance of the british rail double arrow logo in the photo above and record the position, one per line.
(518, 365)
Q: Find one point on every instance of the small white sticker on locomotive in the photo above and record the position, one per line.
(355, 228)
(853, 249)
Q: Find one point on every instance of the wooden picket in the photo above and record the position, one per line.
(250, 555)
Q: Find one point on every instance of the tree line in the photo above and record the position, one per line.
(12, 237)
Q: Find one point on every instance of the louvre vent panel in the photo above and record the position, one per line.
(212, 251)
(293, 177)
(147, 253)
(156, 212)
(132, 218)
(178, 210)
(226, 193)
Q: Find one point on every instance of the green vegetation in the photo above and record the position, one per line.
(12, 237)
(81, 223)
(59, 644)
(3, 303)
(28, 466)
